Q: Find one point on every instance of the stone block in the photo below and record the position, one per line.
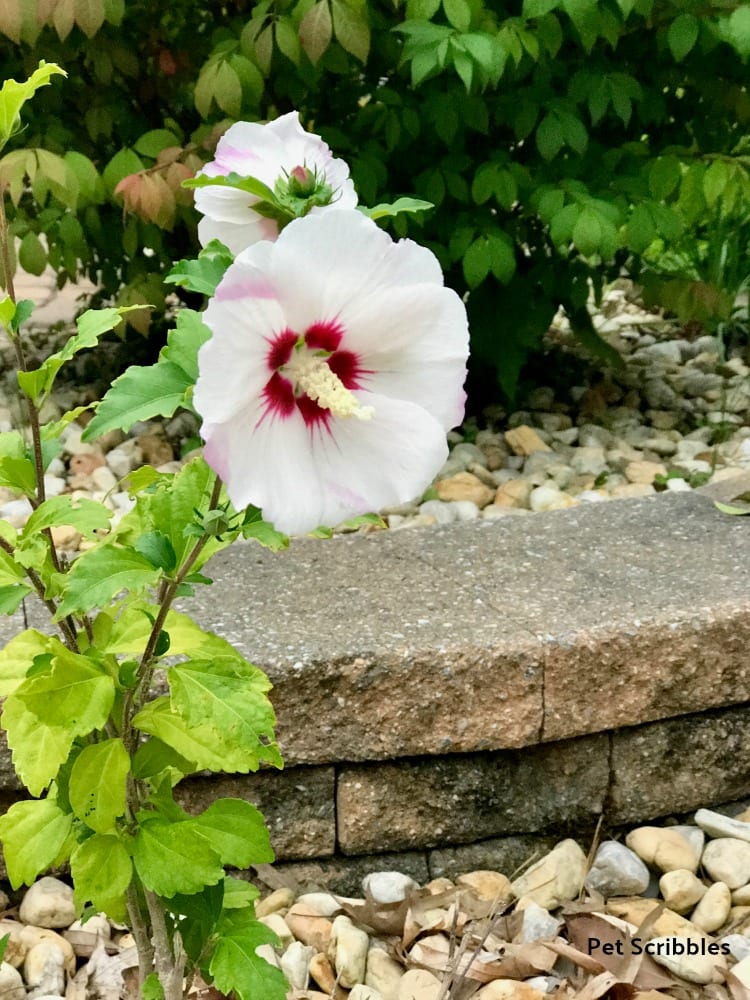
(678, 765)
(297, 804)
(340, 875)
(462, 798)
(501, 854)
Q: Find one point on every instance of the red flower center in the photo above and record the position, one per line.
(282, 397)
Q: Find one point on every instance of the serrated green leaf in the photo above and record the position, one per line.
(316, 30)
(141, 393)
(203, 273)
(17, 657)
(682, 35)
(231, 696)
(158, 549)
(237, 831)
(238, 894)
(173, 857)
(261, 531)
(153, 757)
(97, 784)
(234, 964)
(86, 516)
(11, 597)
(32, 834)
(98, 575)
(102, 870)
(203, 745)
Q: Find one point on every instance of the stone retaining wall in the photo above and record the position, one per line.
(463, 696)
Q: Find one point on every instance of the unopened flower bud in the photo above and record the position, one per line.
(301, 182)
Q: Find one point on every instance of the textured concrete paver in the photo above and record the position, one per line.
(488, 635)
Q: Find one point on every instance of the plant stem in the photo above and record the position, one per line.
(139, 930)
(169, 957)
(67, 634)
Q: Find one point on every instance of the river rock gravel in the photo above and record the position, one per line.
(485, 933)
(675, 417)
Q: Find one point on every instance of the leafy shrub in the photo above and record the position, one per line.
(559, 140)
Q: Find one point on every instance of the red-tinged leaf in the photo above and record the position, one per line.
(315, 30)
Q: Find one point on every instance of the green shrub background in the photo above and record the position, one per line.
(559, 140)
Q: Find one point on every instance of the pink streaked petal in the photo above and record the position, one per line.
(269, 464)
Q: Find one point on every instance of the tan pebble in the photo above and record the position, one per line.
(280, 899)
(744, 816)
(681, 889)
(699, 969)
(464, 486)
(524, 440)
(741, 896)
(439, 885)
(514, 493)
(279, 926)
(322, 903)
(125, 941)
(509, 989)
(309, 927)
(483, 475)
(644, 472)
(65, 537)
(419, 984)
(383, 973)
(349, 945)
(739, 913)
(361, 992)
(11, 983)
(321, 971)
(629, 491)
(155, 448)
(486, 885)
(556, 878)
(635, 909)
(727, 859)
(712, 912)
(496, 456)
(84, 465)
(663, 848)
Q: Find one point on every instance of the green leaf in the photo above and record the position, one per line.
(152, 988)
(31, 254)
(86, 516)
(102, 870)
(17, 657)
(231, 696)
(91, 325)
(261, 531)
(397, 207)
(458, 13)
(153, 757)
(97, 784)
(587, 232)
(75, 694)
(32, 833)
(738, 30)
(715, 181)
(98, 575)
(13, 96)
(726, 508)
(158, 549)
(549, 137)
(174, 857)
(139, 394)
(664, 176)
(234, 964)
(11, 597)
(476, 262)
(241, 182)
(237, 831)
(204, 273)
(238, 894)
(38, 751)
(502, 256)
(351, 27)
(316, 30)
(206, 747)
(538, 8)
(7, 311)
(151, 143)
(682, 35)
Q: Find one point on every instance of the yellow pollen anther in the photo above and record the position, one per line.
(313, 376)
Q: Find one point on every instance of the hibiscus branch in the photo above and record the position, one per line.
(67, 633)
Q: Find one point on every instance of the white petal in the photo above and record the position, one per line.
(334, 259)
(237, 236)
(225, 204)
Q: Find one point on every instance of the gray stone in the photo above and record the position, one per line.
(718, 825)
(538, 923)
(728, 860)
(617, 871)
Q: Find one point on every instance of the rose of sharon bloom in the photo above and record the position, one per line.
(267, 152)
(335, 368)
